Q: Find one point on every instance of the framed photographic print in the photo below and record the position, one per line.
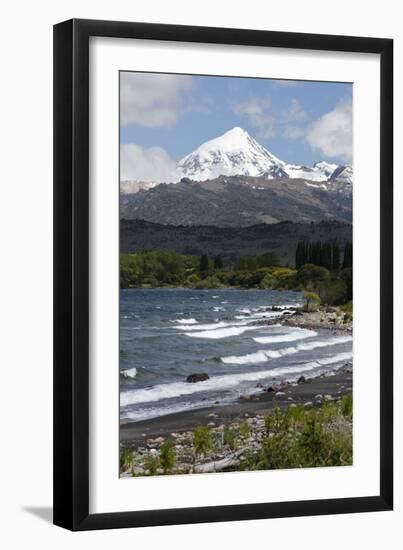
(223, 320)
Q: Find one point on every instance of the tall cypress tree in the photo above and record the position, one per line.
(218, 263)
(299, 254)
(203, 264)
(348, 255)
(335, 257)
(327, 256)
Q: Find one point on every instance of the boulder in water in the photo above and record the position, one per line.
(197, 377)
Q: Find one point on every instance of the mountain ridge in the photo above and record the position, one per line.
(240, 201)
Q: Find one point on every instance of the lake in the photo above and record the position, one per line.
(168, 334)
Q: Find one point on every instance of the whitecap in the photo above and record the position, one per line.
(261, 356)
(287, 337)
(224, 382)
(129, 373)
(221, 332)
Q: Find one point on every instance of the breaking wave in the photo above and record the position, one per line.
(225, 382)
(261, 356)
(299, 334)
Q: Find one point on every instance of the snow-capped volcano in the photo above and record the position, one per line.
(237, 153)
(233, 153)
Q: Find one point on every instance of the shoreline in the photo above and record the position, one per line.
(329, 387)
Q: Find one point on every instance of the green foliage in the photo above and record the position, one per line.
(346, 405)
(269, 259)
(229, 438)
(126, 458)
(348, 256)
(167, 456)
(312, 277)
(209, 282)
(202, 440)
(218, 263)
(251, 263)
(335, 257)
(347, 307)
(302, 438)
(204, 264)
(346, 276)
(247, 263)
(244, 429)
(155, 268)
(312, 302)
(162, 268)
(325, 254)
(152, 465)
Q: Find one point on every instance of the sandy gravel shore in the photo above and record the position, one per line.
(314, 391)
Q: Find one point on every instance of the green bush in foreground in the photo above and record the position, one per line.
(301, 438)
(229, 438)
(244, 429)
(167, 456)
(152, 465)
(126, 459)
(202, 441)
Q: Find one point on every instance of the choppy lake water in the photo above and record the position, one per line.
(167, 334)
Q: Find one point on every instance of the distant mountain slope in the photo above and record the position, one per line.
(239, 201)
(230, 243)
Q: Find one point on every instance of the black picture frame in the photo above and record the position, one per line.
(71, 274)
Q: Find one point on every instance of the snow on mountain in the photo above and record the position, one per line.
(236, 153)
(343, 173)
(320, 171)
(326, 168)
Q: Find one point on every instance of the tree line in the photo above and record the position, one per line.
(324, 254)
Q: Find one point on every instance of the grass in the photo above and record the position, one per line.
(229, 438)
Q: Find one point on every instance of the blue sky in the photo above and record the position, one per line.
(167, 116)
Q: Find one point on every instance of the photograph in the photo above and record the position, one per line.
(235, 274)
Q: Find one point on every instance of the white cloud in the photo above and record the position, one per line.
(152, 100)
(294, 112)
(332, 132)
(140, 164)
(255, 112)
(259, 114)
(291, 120)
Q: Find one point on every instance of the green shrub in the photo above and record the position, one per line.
(126, 458)
(167, 456)
(202, 441)
(302, 438)
(312, 277)
(347, 307)
(244, 429)
(152, 465)
(312, 301)
(346, 405)
(229, 438)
